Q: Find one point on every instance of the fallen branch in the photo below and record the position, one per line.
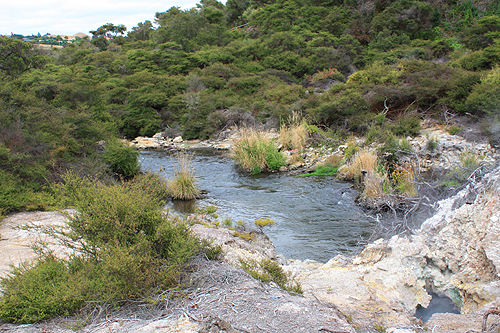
(485, 318)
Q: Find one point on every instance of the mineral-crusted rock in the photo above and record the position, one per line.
(455, 253)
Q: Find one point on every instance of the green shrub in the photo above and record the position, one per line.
(461, 171)
(454, 129)
(351, 149)
(121, 254)
(485, 97)
(432, 144)
(40, 291)
(123, 160)
(407, 125)
(393, 147)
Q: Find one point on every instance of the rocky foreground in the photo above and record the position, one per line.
(455, 255)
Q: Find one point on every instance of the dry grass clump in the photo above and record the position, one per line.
(294, 136)
(255, 152)
(363, 162)
(334, 159)
(375, 186)
(183, 186)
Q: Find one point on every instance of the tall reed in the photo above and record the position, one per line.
(294, 134)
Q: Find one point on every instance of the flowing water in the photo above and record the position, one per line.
(316, 217)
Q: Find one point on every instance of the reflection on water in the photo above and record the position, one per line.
(316, 218)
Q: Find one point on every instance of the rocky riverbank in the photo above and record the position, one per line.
(445, 151)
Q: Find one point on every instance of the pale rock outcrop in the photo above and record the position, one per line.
(456, 253)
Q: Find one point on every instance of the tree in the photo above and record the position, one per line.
(109, 30)
(17, 56)
(142, 31)
(105, 32)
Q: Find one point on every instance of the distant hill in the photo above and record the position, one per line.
(70, 38)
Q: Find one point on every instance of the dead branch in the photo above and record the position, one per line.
(485, 318)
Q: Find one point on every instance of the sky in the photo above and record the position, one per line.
(68, 17)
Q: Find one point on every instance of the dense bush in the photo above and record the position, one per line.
(122, 159)
(266, 59)
(124, 247)
(38, 291)
(485, 96)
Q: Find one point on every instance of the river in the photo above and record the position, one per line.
(316, 217)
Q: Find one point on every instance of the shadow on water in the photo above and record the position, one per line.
(316, 217)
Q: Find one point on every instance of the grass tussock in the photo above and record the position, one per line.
(294, 134)
(183, 186)
(362, 162)
(267, 270)
(256, 153)
(374, 186)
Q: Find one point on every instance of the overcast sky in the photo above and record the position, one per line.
(63, 17)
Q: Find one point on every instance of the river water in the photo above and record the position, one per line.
(316, 217)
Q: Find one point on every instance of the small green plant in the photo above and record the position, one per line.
(268, 270)
(351, 149)
(461, 172)
(454, 129)
(246, 236)
(432, 144)
(394, 147)
(209, 210)
(227, 222)
(213, 252)
(380, 328)
(183, 186)
(261, 223)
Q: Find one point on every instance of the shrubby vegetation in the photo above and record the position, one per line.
(122, 244)
(347, 67)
